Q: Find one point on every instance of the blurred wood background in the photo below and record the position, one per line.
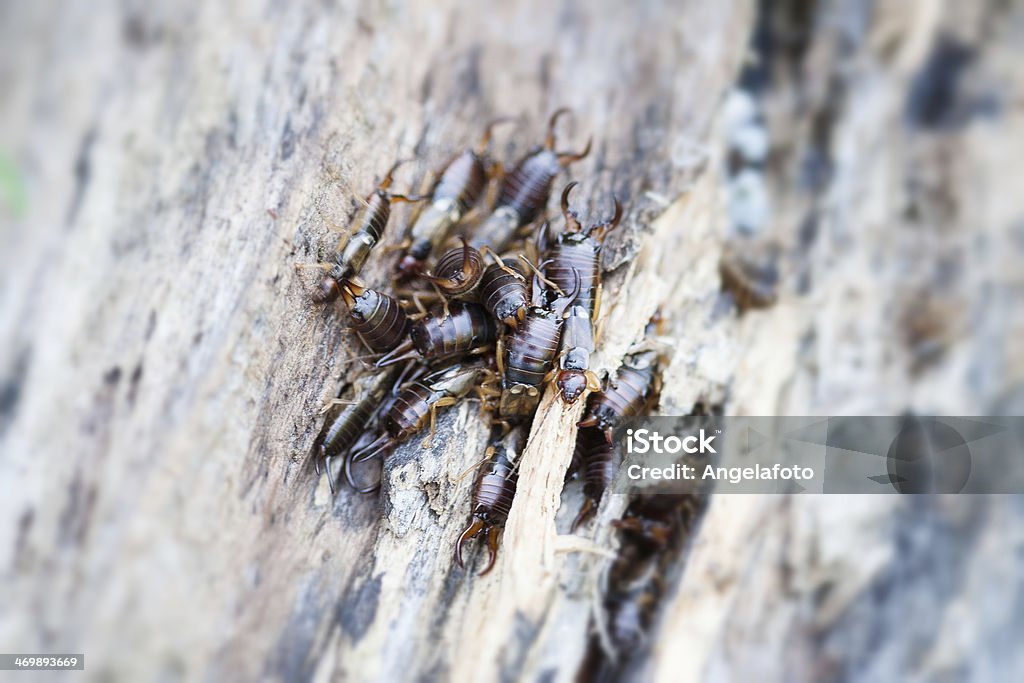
(165, 166)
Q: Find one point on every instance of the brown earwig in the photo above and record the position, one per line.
(465, 329)
(493, 491)
(416, 406)
(625, 396)
(366, 232)
(342, 430)
(504, 292)
(580, 250)
(459, 187)
(527, 355)
(597, 467)
(458, 271)
(752, 286)
(525, 190)
(378, 319)
(573, 375)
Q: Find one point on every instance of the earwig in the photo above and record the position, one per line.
(460, 185)
(525, 190)
(493, 491)
(377, 318)
(504, 292)
(576, 249)
(573, 375)
(465, 329)
(752, 287)
(458, 271)
(366, 231)
(341, 431)
(597, 467)
(625, 396)
(416, 406)
(528, 353)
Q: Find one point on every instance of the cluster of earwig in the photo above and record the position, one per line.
(490, 301)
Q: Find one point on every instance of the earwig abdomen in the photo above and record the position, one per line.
(377, 318)
(598, 463)
(504, 294)
(459, 187)
(625, 396)
(530, 351)
(458, 271)
(494, 490)
(583, 256)
(409, 412)
(468, 327)
(528, 186)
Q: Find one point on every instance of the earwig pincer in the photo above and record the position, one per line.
(458, 271)
(597, 468)
(466, 329)
(525, 191)
(504, 292)
(378, 319)
(625, 396)
(415, 407)
(459, 187)
(342, 430)
(527, 355)
(366, 232)
(493, 491)
(580, 250)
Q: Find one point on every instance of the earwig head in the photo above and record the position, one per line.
(328, 290)
(571, 385)
(572, 222)
(600, 230)
(408, 268)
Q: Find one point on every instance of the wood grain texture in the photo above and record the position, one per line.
(162, 370)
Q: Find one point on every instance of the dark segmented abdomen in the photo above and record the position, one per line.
(379, 321)
(409, 412)
(528, 186)
(495, 488)
(503, 295)
(463, 180)
(625, 398)
(530, 351)
(468, 327)
(348, 426)
(583, 257)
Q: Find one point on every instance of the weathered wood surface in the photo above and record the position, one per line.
(162, 370)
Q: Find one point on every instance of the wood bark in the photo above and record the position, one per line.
(162, 369)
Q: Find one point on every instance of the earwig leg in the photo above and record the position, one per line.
(469, 532)
(401, 246)
(407, 198)
(320, 265)
(589, 422)
(444, 302)
(492, 549)
(485, 139)
(585, 512)
(441, 403)
(389, 176)
(335, 402)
